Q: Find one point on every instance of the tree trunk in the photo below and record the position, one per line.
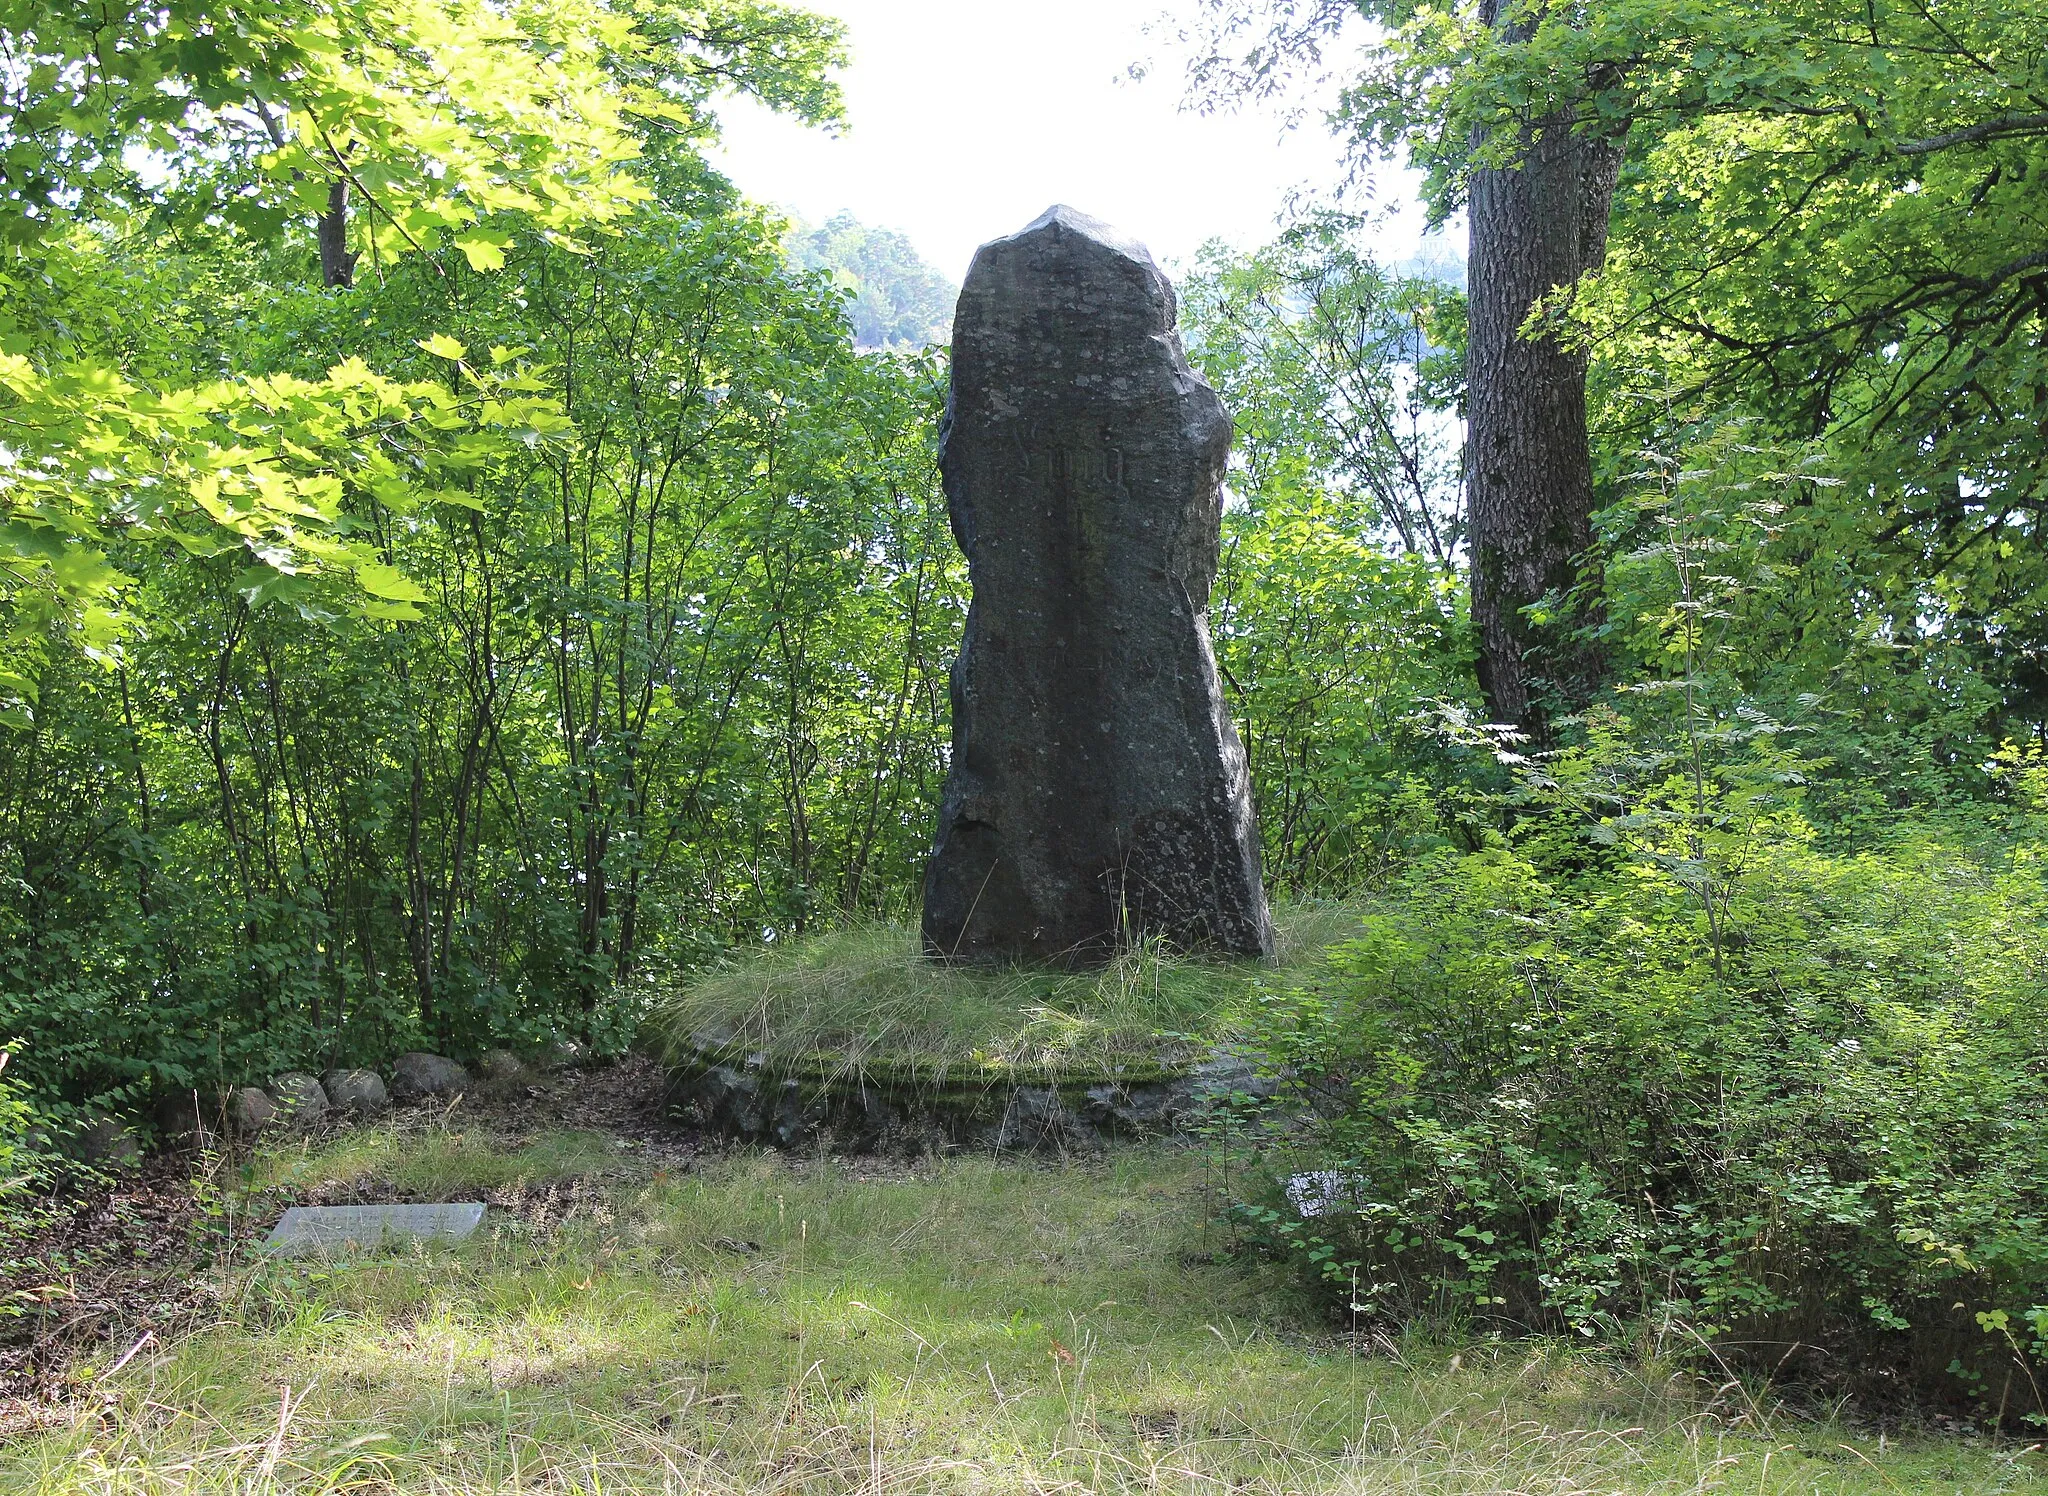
(337, 265)
(1529, 479)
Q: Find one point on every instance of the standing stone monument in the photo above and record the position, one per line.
(1097, 791)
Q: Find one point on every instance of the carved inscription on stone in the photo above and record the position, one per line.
(1097, 791)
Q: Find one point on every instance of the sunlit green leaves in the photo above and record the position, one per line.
(1830, 221)
(270, 467)
(1336, 609)
(437, 113)
(1327, 359)
(446, 123)
(483, 251)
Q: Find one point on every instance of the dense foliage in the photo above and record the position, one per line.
(1549, 1097)
(1336, 610)
(554, 600)
(414, 655)
(667, 690)
(1720, 1019)
(460, 564)
(398, 127)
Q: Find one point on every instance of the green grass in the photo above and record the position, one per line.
(443, 1160)
(866, 1003)
(769, 1325)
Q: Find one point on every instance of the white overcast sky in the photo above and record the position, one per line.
(968, 118)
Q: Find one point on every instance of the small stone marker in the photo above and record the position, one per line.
(1097, 791)
(500, 1067)
(308, 1229)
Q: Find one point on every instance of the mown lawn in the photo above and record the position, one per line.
(763, 1324)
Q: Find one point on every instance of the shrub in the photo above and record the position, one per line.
(20, 1167)
(1543, 1108)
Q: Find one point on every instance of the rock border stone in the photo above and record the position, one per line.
(418, 1076)
(355, 1092)
(300, 1098)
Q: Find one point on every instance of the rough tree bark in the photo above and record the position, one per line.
(1535, 227)
(337, 265)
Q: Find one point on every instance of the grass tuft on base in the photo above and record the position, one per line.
(866, 1003)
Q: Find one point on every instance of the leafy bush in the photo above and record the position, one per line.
(1541, 1107)
(20, 1165)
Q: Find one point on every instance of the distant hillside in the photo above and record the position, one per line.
(899, 301)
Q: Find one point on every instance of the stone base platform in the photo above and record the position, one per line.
(745, 1098)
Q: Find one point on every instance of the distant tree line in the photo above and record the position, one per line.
(895, 300)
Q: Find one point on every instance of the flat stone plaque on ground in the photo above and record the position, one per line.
(308, 1229)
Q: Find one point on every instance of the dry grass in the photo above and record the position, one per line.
(767, 1325)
